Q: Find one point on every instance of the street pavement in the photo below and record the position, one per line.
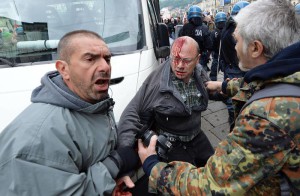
(214, 121)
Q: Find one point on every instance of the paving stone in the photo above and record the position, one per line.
(212, 138)
(217, 118)
(216, 106)
(206, 112)
(205, 125)
(221, 131)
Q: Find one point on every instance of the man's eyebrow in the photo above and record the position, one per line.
(93, 55)
(108, 55)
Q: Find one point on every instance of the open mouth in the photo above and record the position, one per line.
(102, 81)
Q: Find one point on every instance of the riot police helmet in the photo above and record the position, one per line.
(220, 17)
(238, 6)
(297, 9)
(194, 12)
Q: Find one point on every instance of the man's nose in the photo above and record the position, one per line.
(180, 64)
(105, 63)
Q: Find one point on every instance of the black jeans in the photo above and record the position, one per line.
(196, 151)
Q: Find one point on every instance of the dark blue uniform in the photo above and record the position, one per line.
(215, 36)
(228, 44)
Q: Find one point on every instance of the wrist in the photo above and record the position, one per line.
(149, 163)
(223, 87)
(219, 86)
(112, 166)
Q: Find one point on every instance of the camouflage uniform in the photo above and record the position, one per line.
(264, 142)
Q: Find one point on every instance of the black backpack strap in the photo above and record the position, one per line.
(275, 90)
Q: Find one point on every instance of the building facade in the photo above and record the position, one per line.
(208, 6)
(213, 6)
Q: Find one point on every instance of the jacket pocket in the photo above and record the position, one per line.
(227, 163)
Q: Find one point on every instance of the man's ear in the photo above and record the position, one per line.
(63, 68)
(199, 57)
(257, 49)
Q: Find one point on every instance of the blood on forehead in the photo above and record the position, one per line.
(177, 46)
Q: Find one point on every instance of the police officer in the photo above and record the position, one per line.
(228, 53)
(196, 29)
(220, 20)
(228, 43)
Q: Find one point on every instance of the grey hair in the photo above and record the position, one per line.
(273, 22)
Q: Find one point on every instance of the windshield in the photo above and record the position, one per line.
(30, 29)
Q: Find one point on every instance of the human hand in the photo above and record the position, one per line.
(213, 86)
(121, 182)
(145, 152)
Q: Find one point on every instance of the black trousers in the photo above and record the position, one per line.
(195, 152)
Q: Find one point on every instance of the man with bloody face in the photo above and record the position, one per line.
(170, 103)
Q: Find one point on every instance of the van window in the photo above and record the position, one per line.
(153, 21)
(30, 30)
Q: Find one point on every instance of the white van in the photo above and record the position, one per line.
(131, 29)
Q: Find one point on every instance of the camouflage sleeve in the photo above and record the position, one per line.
(255, 150)
(233, 86)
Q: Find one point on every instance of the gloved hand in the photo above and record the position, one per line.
(121, 160)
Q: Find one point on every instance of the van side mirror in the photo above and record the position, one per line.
(163, 50)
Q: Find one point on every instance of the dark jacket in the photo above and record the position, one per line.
(228, 44)
(215, 37)
(158, 99)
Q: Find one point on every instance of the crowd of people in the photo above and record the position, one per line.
(68, 143)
